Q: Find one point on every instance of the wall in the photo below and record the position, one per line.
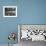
(29, 12)
(7, 25)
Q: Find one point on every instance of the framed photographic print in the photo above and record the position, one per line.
(9, 11)
(32, 32)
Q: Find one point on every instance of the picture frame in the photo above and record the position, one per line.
(9, 11)
(39, 28)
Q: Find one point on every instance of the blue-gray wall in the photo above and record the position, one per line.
(29, 12)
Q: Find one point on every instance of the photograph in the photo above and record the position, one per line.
(28, 33)
(9, 11)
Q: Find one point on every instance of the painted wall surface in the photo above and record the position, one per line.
(29, 12)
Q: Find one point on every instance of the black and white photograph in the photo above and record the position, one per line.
(30, 34)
